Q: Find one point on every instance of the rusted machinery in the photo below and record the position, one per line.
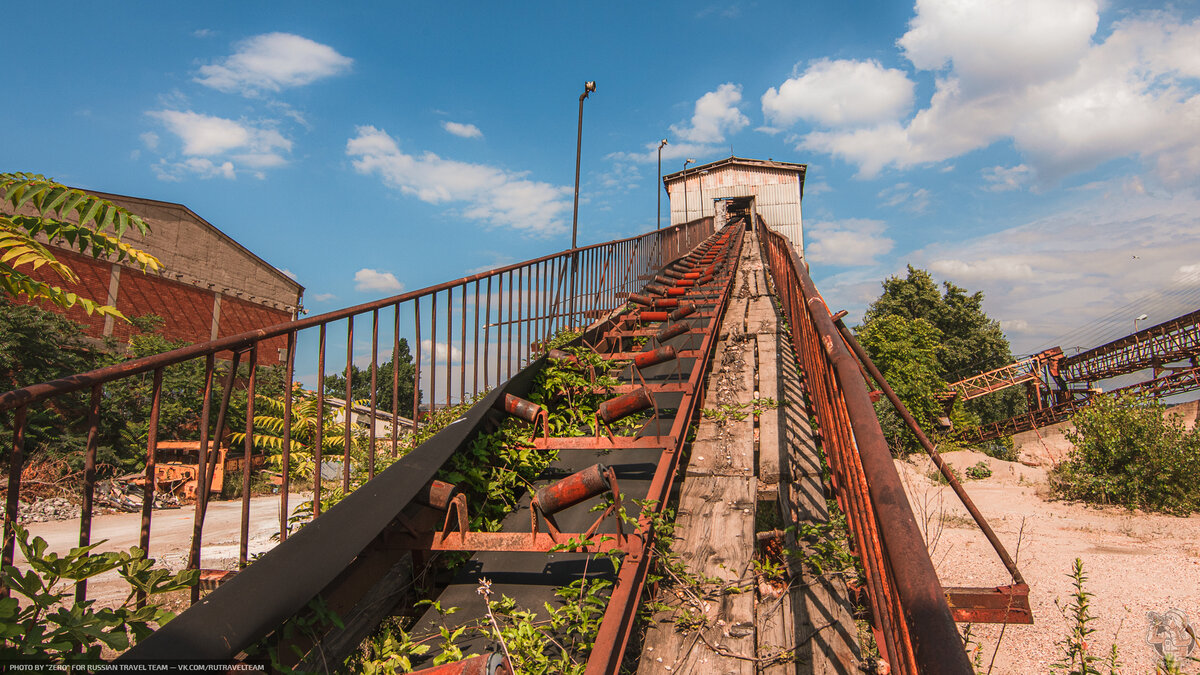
(177, 468)
(1059, 385)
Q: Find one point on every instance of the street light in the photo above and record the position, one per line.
(703, 173)
(1137, 319)
(658, 186)
(588, 87)
(686, 211)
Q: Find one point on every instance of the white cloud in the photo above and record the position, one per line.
(670, 153)
(906, 198)
(272, 62)
(1003, 178)
(839, 93)
(622, 177)
(322, 297)
(716, 114)
(368, 279)
(149, 139)
(489, 194)
(202, 32)
(1001, 268)
(462, 130)
(998, 44)
(1037, 73)
(201, 167)
(427, 347)
(205, 136)
(853, 241)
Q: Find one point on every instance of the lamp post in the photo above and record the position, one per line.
(686, 210)
(703, 173)
(658, 185)
(1137, 319)
(588, 87)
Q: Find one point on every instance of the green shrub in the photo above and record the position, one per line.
(1127, 453)
(978, 471)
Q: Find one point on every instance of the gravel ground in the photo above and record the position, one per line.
(1135, 562)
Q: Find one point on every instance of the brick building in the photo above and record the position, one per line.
(210, 286)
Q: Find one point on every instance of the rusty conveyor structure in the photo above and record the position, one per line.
(653, 307)
(1059, 385)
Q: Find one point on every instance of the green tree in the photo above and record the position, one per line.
(360, 383)
(39, 346)
(1128, 451)
(905, 350)
(96, 230)
(970, 341)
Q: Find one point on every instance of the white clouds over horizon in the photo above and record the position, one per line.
(1065, 275)
(1036, 73)
(489, 194)
(272, 62)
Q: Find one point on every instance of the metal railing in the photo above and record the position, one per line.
(913, 624)
(468, 335)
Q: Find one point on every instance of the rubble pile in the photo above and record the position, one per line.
(55, 508)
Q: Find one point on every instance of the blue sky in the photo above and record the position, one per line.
(1045, 152)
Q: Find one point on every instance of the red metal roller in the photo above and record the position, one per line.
(666, 303)
(615, 408)
(672, 331)
(674, 274)
(578, 487)
(487, 664)
(677, 291)
(652, 316)
(647, 359)
(705, 280)
(437, 494)
(641, 300)
(691, 275)
(684, 310)
(526, 410)
(684, 283)
(657, 290)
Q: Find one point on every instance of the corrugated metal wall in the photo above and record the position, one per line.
(776, 193)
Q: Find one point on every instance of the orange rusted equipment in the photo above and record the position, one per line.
(176, 468)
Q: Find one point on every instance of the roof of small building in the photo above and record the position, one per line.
(740, 161)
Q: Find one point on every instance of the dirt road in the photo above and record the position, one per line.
(170, 537)
(1135, 562)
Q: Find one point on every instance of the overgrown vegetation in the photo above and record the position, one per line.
(47, 624)
(37, 346)
(1128, 451)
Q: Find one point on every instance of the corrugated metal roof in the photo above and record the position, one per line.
(740, 161)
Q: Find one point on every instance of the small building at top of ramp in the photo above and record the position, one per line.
(728, 187)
